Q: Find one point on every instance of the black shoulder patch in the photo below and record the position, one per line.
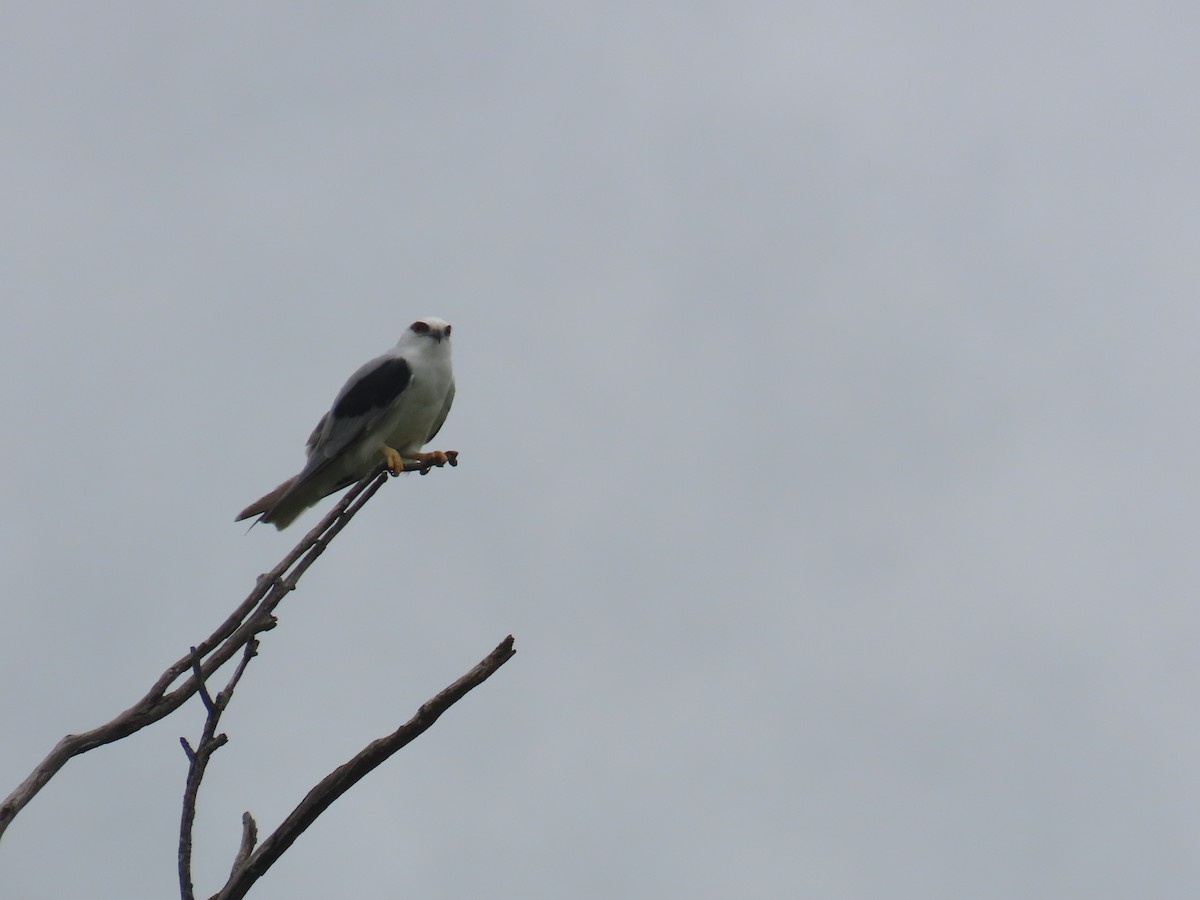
(374, 390)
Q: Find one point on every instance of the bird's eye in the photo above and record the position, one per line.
(448, 330)
(419, 327)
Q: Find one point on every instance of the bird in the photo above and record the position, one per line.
(386, 412)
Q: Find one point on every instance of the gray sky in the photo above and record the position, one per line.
(827, 424)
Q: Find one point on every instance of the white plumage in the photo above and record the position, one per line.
(387, 410)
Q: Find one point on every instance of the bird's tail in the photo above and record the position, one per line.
(270, 507)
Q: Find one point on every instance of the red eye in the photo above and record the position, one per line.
(419, 327)
(448, 330)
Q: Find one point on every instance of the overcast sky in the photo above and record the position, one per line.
(827, 422)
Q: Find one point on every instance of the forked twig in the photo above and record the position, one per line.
(198, 759)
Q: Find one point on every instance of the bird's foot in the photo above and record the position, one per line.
(393, 460)
(436, 458)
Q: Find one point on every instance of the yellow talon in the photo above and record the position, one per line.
(432, 458)
(392, 460)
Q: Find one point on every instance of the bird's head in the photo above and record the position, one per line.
(430, 327)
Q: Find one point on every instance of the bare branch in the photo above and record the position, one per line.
(198, 759)
(249, 839)
(201, 687)
(252, 616)
(347, 775)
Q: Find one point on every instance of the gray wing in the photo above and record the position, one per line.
(313, 438)
(367, 395)
(441, 417)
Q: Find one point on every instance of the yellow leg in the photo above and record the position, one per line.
(392, 460)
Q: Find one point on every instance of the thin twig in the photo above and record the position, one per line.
(350, 773)
(249, 839)
(198, 759)
(201, 687)
(252, 616)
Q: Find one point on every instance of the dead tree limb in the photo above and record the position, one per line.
(341, 779)
(252, 616)
(198, 759)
